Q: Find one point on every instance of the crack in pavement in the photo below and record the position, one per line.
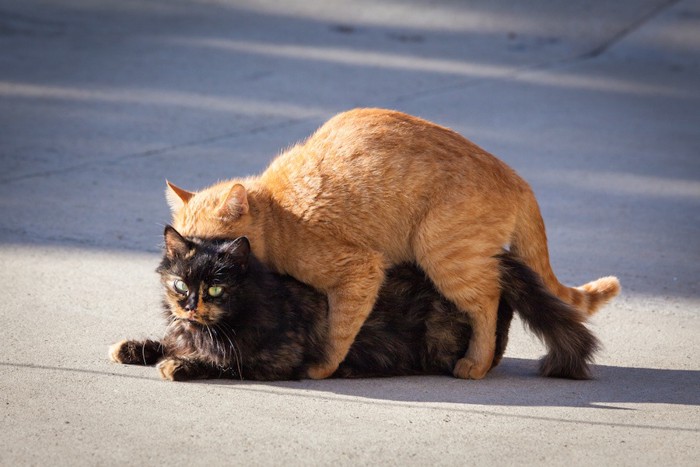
(514, 74)
(153, 152)
(633, 26)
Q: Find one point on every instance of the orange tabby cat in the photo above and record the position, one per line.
(373, 188)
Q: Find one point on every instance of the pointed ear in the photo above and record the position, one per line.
(175, 244)
(236, 203)
(176, 196)
(238, 249)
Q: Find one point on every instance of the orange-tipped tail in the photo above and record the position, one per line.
(595, 294)
(529, 242)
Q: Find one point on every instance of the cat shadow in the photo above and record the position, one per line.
(514, 382)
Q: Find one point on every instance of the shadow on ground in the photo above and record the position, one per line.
(514, 383)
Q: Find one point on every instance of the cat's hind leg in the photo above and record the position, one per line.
(458, 257)
(133, 352)
(482, 347)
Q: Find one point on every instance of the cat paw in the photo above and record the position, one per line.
(171, 369)
(321, 371)
(116, 351)
(466, 368)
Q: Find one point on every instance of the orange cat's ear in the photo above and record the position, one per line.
(235, 204)
(176, 196)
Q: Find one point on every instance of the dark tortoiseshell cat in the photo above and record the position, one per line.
(230, 317)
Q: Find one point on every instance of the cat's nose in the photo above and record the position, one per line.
(191, 304)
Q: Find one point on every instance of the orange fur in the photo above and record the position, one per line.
(372, 188)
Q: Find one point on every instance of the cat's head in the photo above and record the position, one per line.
(200, 276)
(221, 210)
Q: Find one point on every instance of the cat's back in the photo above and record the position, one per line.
(383, 170)
(367, 139)
(386, 151)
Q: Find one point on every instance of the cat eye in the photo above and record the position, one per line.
(215, 291)
(180, 287)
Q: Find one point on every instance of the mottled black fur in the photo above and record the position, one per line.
(273, 327)
(570, 343)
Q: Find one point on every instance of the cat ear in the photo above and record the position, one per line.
(236, 203)
(176, 196)
(175, 244)
(238, 248)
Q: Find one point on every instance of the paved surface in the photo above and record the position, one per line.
(595, 103)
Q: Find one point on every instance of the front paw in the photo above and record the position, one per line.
(131, 352)
(172, 369)
(321, 371)
(119, 352)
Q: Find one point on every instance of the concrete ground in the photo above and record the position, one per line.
(594, 102)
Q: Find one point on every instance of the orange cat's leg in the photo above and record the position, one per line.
(358, 275)
(475, 290)
(459, 259)
(480, 356)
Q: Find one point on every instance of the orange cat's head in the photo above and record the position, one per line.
(220, 211)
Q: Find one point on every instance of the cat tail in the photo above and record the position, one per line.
(569, 342)
(529, 242)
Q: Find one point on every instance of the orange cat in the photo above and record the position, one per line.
(373, 188)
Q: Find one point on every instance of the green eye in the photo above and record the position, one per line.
(215, 291)
(180, 287)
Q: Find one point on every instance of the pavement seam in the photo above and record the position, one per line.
(154, 152)
(547, 65)
(632, 27)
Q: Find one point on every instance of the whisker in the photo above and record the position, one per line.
(217, 347)
(143, 352)
(234, 347)
(223, 331)
(211, 338)
(172, 321)
(220, 345)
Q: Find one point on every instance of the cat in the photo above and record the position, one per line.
(231, 317)
(373, 188)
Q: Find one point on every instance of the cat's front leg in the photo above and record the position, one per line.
(133, 352)
(177, 369)
(349, 302)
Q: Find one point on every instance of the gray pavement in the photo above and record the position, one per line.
(595, 103)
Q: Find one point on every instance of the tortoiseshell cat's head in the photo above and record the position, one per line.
(199, 277)
(227, 313)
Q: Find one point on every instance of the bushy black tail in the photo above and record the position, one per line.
(569, 342)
